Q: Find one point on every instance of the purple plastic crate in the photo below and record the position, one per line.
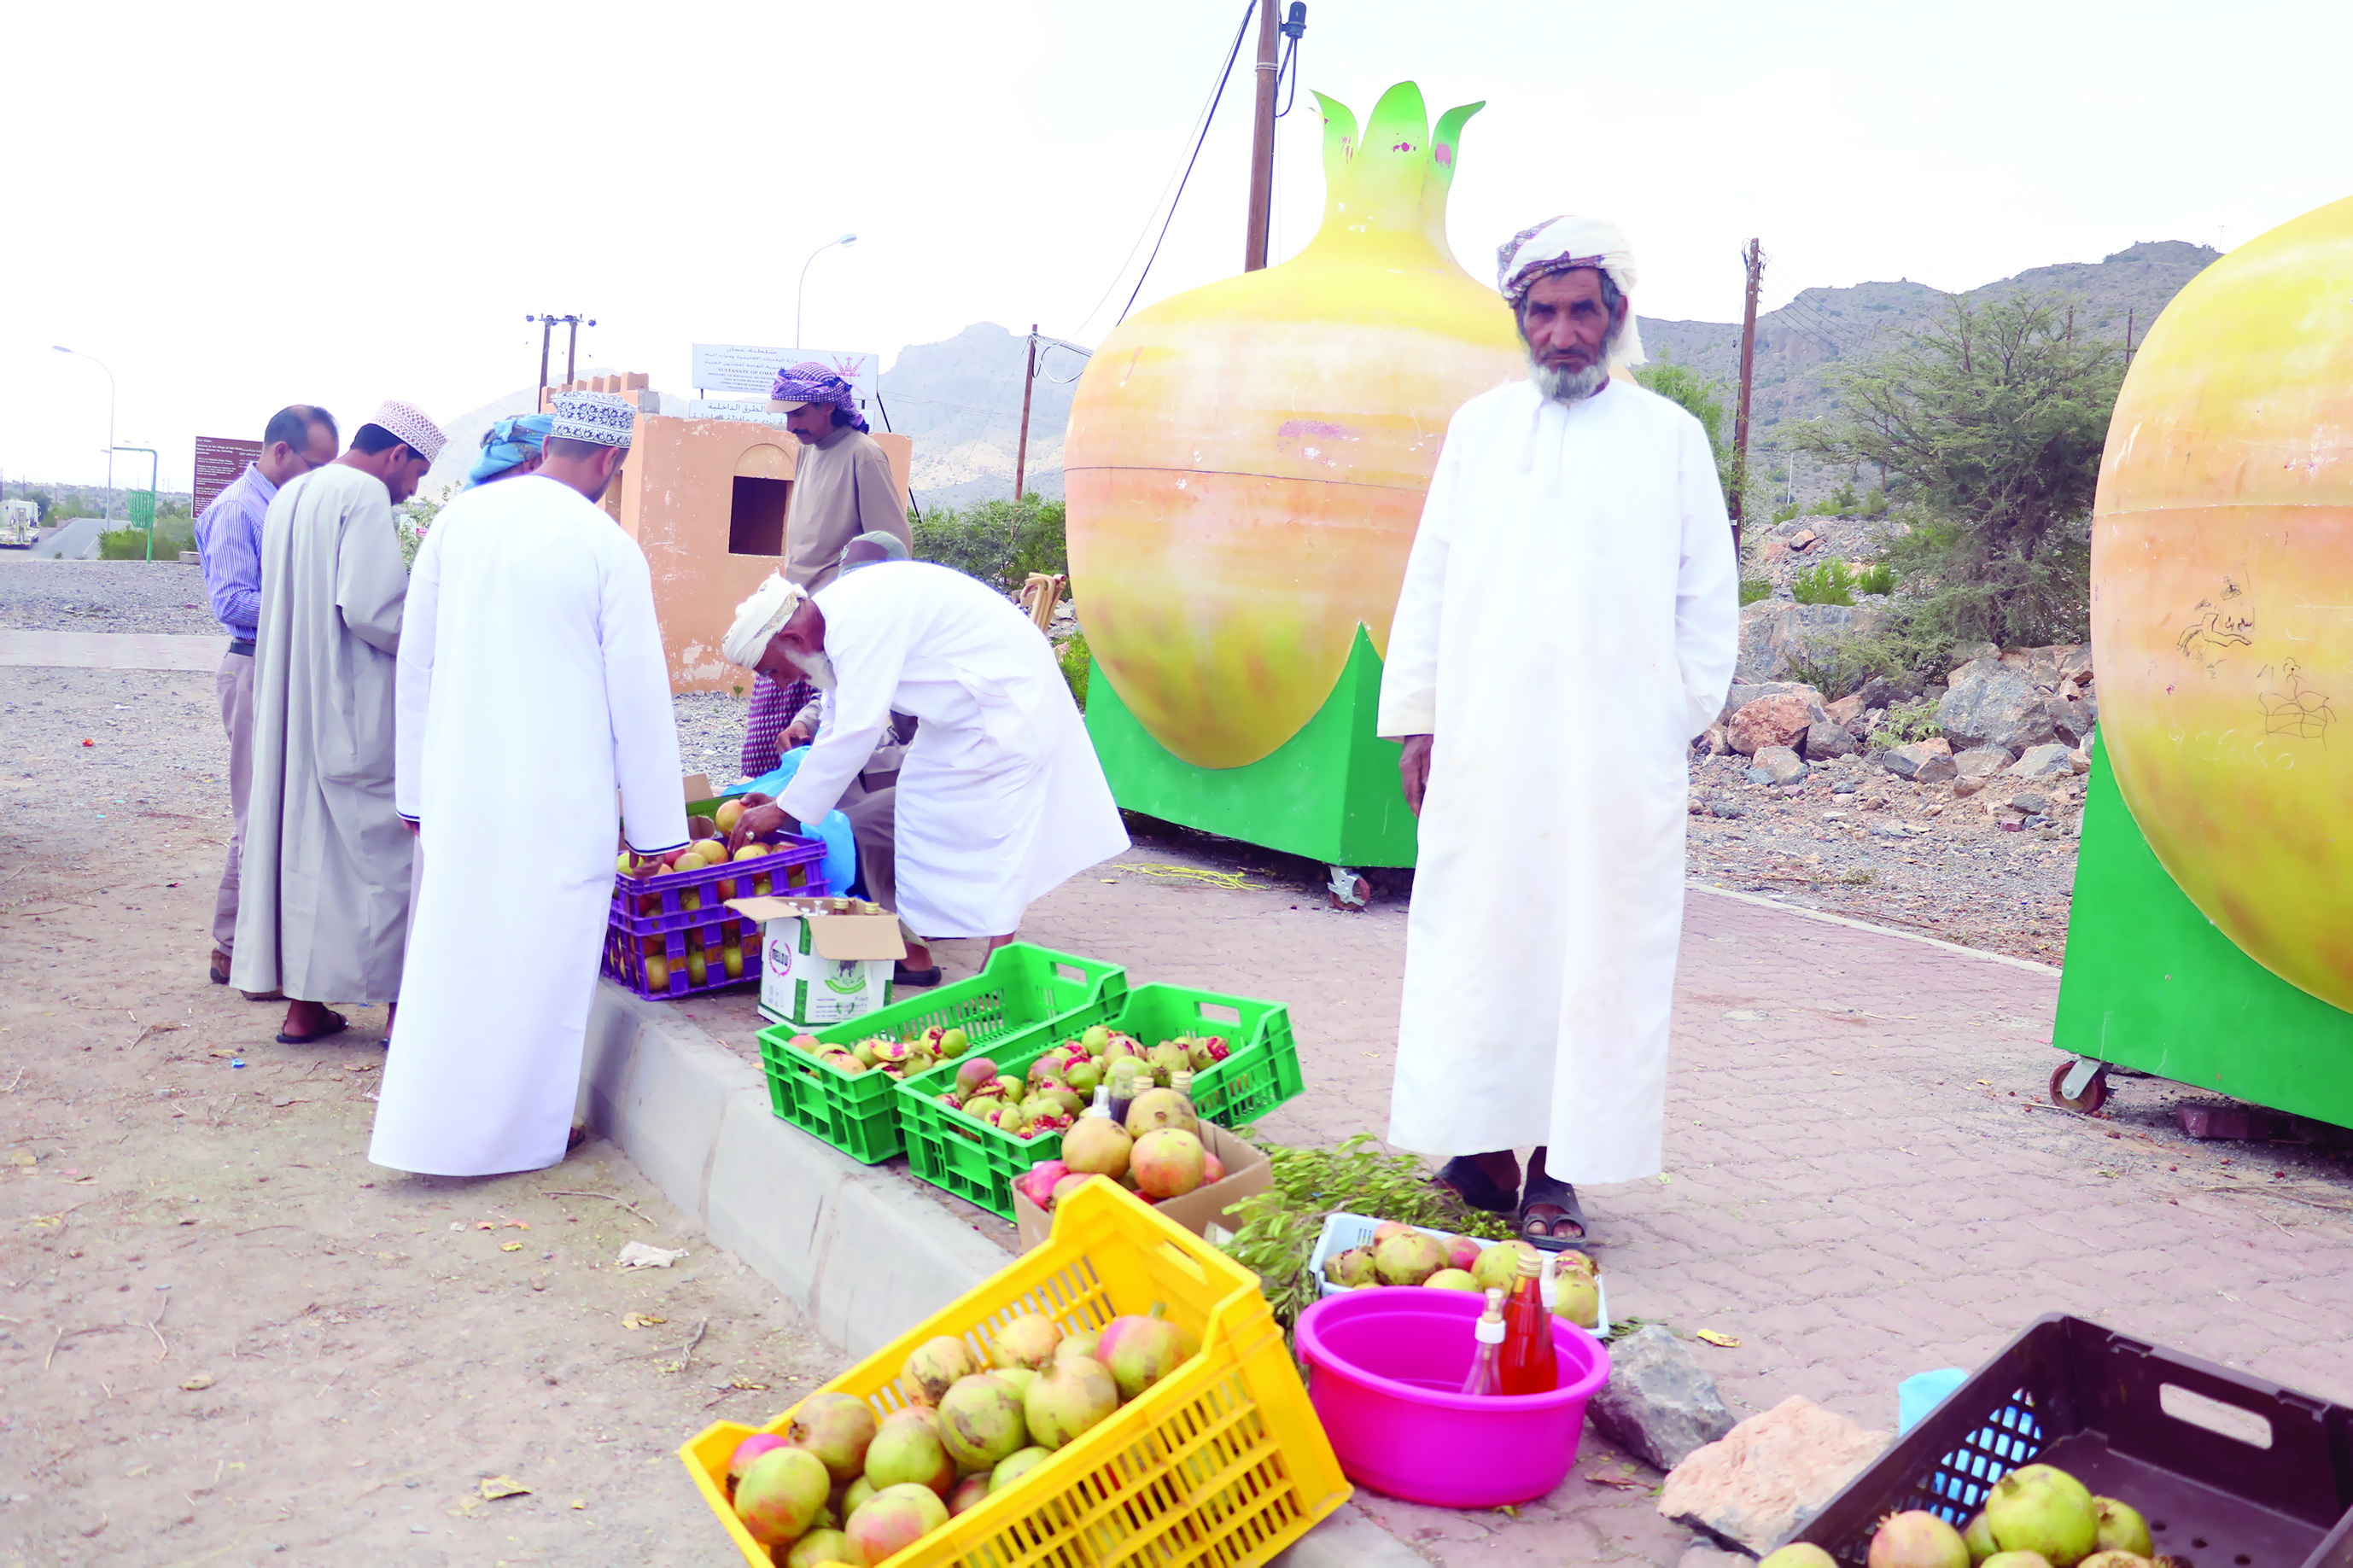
(627, 931)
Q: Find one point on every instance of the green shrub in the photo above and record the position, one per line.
(1782, 514)
(1072, 657)
(1840, 502)
(1876, 503)
(1836, 665)
(1828, 584)
(1904, 723)
(172, 534)
(1879, 577)
(998, 541)
(1755, 588)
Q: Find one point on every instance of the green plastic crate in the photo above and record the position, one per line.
(977, 1162)
(1263, 1070)
(1026, 991)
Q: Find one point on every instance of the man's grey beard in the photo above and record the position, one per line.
(816, 667)
(1568, 386)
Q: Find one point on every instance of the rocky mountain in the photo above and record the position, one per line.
(1801, 345)
(961, 400)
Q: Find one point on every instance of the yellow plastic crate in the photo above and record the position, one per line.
(1222, 1462)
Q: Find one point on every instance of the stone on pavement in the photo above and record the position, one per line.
(1778, 764)
(1781, 719)
(1922, 761)
(2044, 762)
(1991, 704)
(1658, 1404)
(1768, 1475)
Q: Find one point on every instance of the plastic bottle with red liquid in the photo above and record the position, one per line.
(1527, 1361)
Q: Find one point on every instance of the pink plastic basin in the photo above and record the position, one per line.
(1384, 1368)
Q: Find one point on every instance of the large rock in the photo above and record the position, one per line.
(1776, 634)
(1769, 1475)
(1879, 691)
(1849, 708)
(1979, 761)
(1990, 704)
(1658, 1404)
(2053, 760)
(1777, 766)
(1781, 720)
(1743, 692)
(1922, 761)
(1829, 740)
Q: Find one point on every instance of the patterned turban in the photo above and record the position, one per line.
(1561, 245)
(811, 381)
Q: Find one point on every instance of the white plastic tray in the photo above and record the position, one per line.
(1343, 1231)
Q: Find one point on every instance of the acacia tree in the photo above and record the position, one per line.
(1996, 417)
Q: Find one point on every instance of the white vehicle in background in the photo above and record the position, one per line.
(20, 520)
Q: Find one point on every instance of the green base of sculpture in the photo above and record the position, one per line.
(1330, 793)
(2152, 983)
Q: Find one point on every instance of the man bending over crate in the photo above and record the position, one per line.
(999, 797)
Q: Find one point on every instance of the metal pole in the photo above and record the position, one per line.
(1029, 380)
(1754, 261)
(801, 288)
(1261, 187)
(547, 327)
(110, 415)
(571, 350)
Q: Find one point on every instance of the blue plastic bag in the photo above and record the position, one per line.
(839, 866)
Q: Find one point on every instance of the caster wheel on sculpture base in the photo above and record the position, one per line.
(2089, 1096)
(1348, 889)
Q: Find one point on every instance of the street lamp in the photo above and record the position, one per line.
(110, 415)
(821, 251)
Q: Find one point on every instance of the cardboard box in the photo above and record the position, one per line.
(823, 961)
(1247, 1175)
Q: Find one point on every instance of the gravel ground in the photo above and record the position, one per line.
(104, 596)
(1855, 839)
(711, 733)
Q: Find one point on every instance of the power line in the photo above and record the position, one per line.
(1208, 108)
(1231, 55)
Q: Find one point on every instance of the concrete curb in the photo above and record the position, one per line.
(838, 1238)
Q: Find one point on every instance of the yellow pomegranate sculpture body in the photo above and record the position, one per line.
(2222, 597)
(1246, 462)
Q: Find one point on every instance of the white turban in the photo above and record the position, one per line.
(1560, 245)
(760, 618)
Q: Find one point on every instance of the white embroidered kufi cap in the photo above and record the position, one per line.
(760, 618)
(409, 422)
(598, 417)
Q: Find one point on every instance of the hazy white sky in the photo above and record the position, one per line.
(239, 205)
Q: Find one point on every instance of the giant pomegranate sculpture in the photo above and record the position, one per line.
(2222, 597)
(1246, 461)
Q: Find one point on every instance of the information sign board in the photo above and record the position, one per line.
(220, 460)
(749, 369)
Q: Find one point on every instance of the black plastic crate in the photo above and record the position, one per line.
(2133, 1421)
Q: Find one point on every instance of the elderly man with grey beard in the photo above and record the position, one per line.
(1574, 566)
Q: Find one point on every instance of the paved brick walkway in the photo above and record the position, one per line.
(1865, 1179)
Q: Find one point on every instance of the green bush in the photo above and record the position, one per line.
(1072, 657)
(172, 534)
(1840, 502)
(1782, 514)
(1879, 577)
(1904, 723)
(1828, 584)
(1755, 588)
(1837, 666)
(998, 541)
(1876, 503)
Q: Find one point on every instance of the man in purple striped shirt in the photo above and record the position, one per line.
(298, 439)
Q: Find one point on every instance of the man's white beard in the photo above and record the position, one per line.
(817, 668)
(1568, 386)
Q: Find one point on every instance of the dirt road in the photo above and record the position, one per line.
(225, 1338)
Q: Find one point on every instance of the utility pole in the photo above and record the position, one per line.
(546, 331)
(2128, 332)
(1029, 380)
(1754, 261)
(1261, 187)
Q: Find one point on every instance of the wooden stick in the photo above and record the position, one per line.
(688, 1355)
(159, 1332)
(608, 1198)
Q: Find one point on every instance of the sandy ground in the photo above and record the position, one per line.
(224, 1336)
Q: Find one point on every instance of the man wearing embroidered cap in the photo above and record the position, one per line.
(324, 890)
(842, 487)
(1550, 864)
(532, 685)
